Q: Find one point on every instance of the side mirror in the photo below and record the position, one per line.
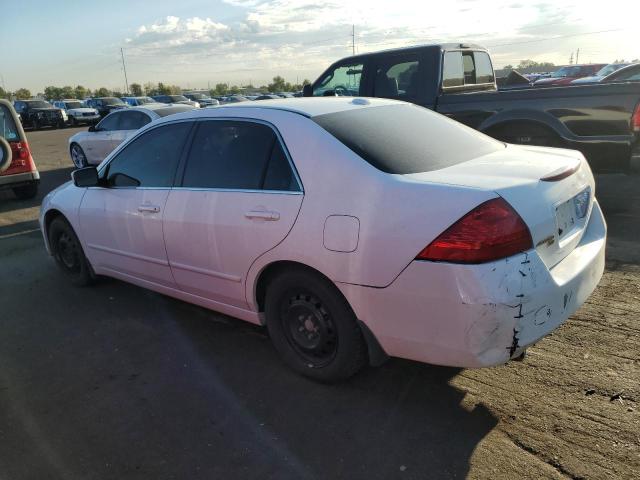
(85, 177)
(92, 128)
(307, 91)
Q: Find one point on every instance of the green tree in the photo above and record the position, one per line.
(150, 89)
(3, 93)
(67, 92)
(52, 93)
(278, 84)
(103, 92)
(22, 94)
(80, 92)
(221, 89)
(136, 89)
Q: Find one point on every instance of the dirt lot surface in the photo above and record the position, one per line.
(119, 382)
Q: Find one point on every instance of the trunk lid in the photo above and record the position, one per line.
(556, 210)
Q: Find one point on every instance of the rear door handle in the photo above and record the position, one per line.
(149, 208)
(263, 214)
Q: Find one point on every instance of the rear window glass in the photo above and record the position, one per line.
(8, 129)
(403, 139)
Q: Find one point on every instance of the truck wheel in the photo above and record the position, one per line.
(527, 135)
(5, 154)
(26, 192)
(35, 124)
(313, 327)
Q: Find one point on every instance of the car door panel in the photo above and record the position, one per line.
(213, 237)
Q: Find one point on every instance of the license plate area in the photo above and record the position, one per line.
(571, 215)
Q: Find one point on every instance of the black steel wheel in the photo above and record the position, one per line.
(68, 253)
(312, 326)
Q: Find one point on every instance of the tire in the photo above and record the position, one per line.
(26, 192)
(68, 253)
(72, 121)
(78, 157)
(312, 326)
(35, 124)
(527, 134)
(6, 155)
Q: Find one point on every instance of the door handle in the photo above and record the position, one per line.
(148, 208)
(263, 214)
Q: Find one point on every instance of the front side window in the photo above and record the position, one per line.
(109, 123)
(342, 81)
(150, 160)
(237, 155)
(132, 120)
(397, 78)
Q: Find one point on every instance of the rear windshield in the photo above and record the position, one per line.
(112, 101)
(403, 139)
(8, 129)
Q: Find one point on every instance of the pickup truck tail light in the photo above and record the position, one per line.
(491, 231)
(635, 119)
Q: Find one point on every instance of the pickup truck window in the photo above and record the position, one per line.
(342, 81)
(397, 78)
(406, 138)
(452, 73)
(469, 66)
(484, 70)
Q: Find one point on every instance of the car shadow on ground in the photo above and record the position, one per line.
(49, 179)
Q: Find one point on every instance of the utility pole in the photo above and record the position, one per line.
(577, 56)
(124, 67)
(571, 59)
(353, 39)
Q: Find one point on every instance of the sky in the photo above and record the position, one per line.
(198, 43)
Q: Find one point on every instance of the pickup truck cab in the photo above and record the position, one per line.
(457, 80)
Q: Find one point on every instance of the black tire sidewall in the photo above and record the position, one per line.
(351, 350)
(58, 226)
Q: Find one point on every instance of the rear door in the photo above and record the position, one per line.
(239, 197)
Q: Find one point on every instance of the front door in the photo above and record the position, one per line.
(122, 221)
(239, 198)
(99, 144)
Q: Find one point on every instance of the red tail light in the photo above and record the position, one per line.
(635, 120)
(22, 160)
(490, 231)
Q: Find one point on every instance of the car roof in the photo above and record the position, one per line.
(305, 106)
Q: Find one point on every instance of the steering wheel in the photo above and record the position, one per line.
(340, 91)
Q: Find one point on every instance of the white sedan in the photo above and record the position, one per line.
(92, 146)
(354, 229)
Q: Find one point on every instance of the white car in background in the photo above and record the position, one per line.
(77, 113)
(92, 146)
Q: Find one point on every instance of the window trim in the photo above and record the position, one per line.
(468, 86)
(279, 139)
(178, 177)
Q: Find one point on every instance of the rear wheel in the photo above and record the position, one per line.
(26, 192)
(77, 156)
(313, 327)
(68, 253)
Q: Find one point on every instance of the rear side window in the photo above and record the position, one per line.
(396, 77)
(8, 129)
(237, 155)
(151, 159)
(403, 139)
(466, 68)
(132, 120)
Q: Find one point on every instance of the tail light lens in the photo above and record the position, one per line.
(491, 231)
(635, 120)
(21, 156)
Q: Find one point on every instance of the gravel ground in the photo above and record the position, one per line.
(119, 382)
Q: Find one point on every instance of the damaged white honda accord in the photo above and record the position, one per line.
(354, 229)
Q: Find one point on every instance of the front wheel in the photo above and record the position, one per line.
(312, 326)
(77, 156)
(68, 253)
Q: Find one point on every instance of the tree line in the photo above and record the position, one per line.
(279, 84)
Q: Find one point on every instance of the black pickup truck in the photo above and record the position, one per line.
(457, 80)
(38, 113)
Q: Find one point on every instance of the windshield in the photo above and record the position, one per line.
(73, 105)
(565, 72)
(112, 101)
(178, 98)
(403, 139)
(39, 104)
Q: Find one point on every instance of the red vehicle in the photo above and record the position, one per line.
(566, 75)
(18, 171)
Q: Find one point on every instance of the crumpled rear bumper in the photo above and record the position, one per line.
(480, 315)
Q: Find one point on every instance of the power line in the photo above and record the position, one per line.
(555, 38)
